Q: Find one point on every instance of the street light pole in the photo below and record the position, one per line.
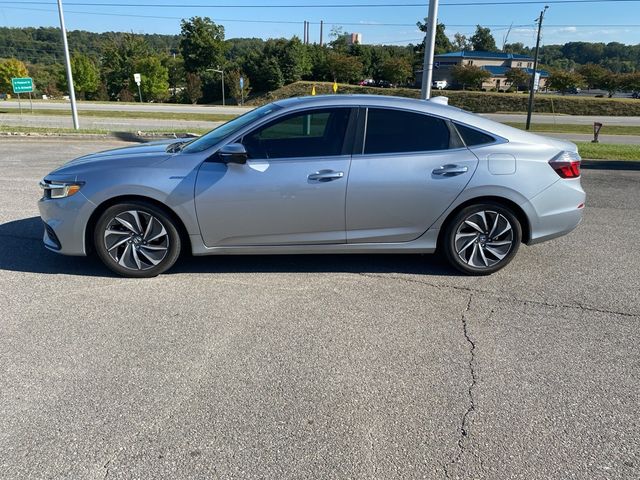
(67, 61)
(220, 71)
(532, 84)
(429, 50)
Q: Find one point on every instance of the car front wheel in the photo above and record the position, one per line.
(136, 239)
(482, 238)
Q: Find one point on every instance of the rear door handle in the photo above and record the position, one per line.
(450, 170)
(324, 176)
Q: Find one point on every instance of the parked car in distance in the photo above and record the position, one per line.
(384, 84)
(440, 84)
(571, 91)
(368, 82)
(322, 174)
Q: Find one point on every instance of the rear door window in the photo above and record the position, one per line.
(398, 131)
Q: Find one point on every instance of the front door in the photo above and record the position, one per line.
(291, 190)
(410, 169)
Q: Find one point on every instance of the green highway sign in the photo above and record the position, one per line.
(22, 85)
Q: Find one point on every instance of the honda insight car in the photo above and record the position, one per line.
(323, 174)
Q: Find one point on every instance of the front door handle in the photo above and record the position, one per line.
(450, 170)
(324, 176)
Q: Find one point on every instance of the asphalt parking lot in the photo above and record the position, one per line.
(320, 367)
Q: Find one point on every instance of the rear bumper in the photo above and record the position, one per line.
(558, 210)
(65, 221)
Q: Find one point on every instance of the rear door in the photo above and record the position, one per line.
(411, 166)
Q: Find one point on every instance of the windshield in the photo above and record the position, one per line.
(217, 134)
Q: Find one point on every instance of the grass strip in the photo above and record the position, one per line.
(608, 151)
(206, 117)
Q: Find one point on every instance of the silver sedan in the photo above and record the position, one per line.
(325, 174)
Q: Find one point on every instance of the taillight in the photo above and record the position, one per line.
(566, 164)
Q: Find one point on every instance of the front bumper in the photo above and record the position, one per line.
(65, 222)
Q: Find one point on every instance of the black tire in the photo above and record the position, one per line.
(149, 246)
(476, 253)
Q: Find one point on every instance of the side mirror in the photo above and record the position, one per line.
(233, 153)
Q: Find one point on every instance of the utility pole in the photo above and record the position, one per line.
(67, 61)
(532, 84)
(321, 25)
(429, 50)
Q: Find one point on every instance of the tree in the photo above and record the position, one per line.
(118, 64)
(593, 74)
(155, 78)
(86, 76)
(11, 68)
(518, 77)
(264, 72)
(396, 70)
(443, 44)
(175, 67)
(233, 83)
(48, 79)
(193, 88)
(611, 82)
(483, 41)
(631, 82)
(517, 48)
(563, 80)
(201, 44)
(460, 42)
(469, 75)
(344, 68)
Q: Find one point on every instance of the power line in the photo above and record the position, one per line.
(338, 5)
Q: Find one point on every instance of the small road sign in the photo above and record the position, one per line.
(241, 83)
(136, 78)
(22, 85)
(536, 81)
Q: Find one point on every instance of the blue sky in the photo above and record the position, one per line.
(588, 22)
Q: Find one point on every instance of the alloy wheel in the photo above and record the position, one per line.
(136, 240)
(484, 239)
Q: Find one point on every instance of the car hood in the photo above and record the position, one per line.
(145, 154)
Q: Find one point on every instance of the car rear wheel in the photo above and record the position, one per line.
(136, 239)
(482, 238)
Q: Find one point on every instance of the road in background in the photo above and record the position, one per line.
(131, 107)
(389, 366)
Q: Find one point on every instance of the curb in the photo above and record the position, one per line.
(633, 165)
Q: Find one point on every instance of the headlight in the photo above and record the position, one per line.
(60, 189)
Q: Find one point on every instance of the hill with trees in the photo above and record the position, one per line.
(181, 68)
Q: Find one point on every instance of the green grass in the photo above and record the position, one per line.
(569, 128)
(608, 151)
(208, 117)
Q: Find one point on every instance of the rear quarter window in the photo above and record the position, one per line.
(473, 137)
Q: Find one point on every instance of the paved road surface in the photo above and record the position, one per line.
(320, 367)
(129, 107)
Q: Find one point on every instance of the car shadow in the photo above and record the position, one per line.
(21, 250)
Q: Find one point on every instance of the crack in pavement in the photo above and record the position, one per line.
(502, 295)
(466, 418)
